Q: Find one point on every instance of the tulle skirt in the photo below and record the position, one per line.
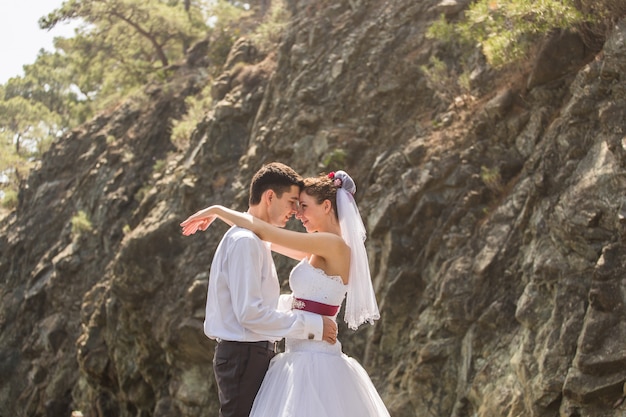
(316, 379)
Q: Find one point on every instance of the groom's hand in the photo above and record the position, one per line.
(330, 330)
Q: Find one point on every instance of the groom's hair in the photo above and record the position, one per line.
(274, 176)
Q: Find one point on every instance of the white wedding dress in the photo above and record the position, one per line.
(314, 378)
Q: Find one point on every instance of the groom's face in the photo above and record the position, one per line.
(282, 208)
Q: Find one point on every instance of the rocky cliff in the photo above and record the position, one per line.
(496, 225)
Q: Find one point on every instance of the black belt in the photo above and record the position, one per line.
(271, 346)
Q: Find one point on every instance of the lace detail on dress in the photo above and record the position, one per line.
(323, 273)
(311, 283)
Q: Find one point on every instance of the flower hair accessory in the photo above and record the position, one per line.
(341, 179)
(336, 181)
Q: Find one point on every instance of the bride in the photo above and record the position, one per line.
(315, 378)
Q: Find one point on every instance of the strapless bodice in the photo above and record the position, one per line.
(311, 283)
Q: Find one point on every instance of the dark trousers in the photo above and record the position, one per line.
(239, 371)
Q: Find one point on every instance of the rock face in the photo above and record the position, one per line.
(496, 230)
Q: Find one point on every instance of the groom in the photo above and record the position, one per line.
(243, 295)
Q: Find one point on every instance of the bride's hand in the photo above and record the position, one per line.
(198, 221)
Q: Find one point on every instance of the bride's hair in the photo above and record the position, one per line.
(322, 188)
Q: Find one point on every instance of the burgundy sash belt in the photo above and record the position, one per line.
(314, 307)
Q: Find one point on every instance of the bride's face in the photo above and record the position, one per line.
(311, 213)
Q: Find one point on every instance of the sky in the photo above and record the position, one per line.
(20, 35)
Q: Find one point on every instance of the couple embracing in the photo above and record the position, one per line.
(246, 314)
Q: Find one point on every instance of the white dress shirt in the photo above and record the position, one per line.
(243, 295)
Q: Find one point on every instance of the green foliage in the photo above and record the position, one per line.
(506, 29)
(225, 26)
(49, 82)
(197, 108)
(337, 157)
(142, 193)
(122, 43)
(27, 128)
(80, 224)
(491, 178)
(444, 80)
(119, 46)
(9, 199)
(442, 30)
(160, 166)
(269, 32)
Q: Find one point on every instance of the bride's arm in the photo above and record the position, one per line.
(296, 243)
(294, 254)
